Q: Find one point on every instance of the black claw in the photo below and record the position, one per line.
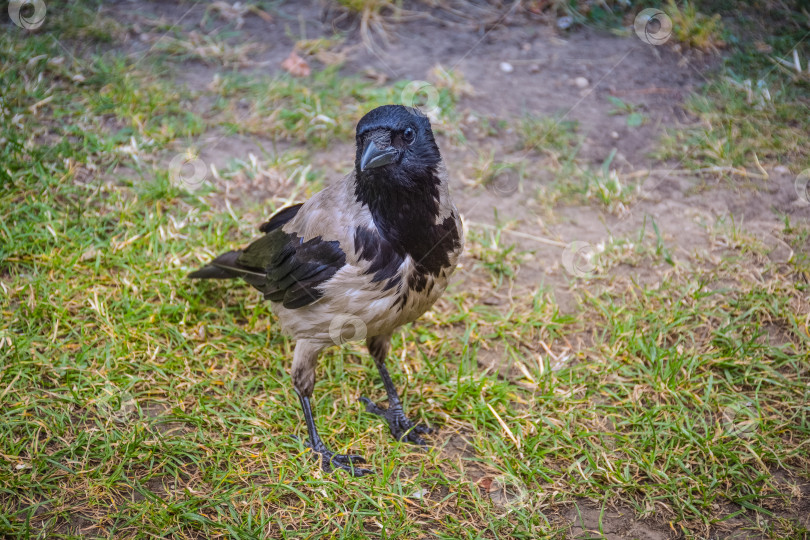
(348, 458)
(331, 461)
(413, 439)
(402, 428)
(372, 407)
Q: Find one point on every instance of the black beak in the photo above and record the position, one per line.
(374, 157)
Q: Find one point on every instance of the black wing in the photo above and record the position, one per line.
(280, 218)
(281, 265)
(293, 269)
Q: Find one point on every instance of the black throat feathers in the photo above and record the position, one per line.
(405, 212)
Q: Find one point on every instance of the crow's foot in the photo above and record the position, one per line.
(331, 461)
(402, 427)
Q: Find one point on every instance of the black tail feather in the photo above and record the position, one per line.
(223, 267)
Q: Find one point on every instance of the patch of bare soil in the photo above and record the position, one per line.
(590, 521)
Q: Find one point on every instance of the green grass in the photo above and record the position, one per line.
(316, 110)
(735, 132)
(693, 28)
(135, 403)
(553, 137)
(753, 111)
(573, 179)
(491, 250)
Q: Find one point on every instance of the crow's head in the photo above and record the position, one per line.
(395, 148)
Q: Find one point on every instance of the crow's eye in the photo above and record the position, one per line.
(409, 135)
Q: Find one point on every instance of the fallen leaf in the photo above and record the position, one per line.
(296, 65)
(485, 483)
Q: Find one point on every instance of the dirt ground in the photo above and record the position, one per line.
(546, 63)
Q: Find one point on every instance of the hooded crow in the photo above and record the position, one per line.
(375, 249)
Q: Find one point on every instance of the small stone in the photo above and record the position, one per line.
(419, 494)
(581, 82)
(506, 67)
(614, 134)
(564, 23)
(781, 169)
(534, 68)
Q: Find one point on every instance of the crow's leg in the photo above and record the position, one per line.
(402, 427)
(303, 375)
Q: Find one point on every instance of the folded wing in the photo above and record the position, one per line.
(281, 265)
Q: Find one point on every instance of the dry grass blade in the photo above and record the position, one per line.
(234, 12)
(376, 20)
